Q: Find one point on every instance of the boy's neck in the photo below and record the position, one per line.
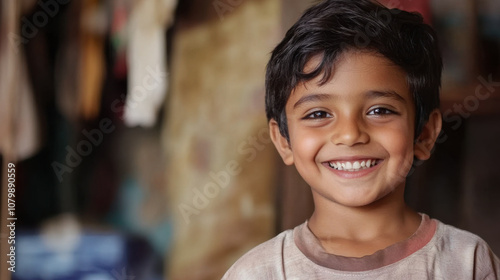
(360, 231)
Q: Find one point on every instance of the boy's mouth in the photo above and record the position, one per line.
(353, 166)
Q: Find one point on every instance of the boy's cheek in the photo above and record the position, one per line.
(401, 169)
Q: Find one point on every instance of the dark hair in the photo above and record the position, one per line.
(333, 27)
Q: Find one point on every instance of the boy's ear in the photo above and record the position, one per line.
(280, 142)
(427, 138)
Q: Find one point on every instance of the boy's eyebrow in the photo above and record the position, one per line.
(369, 94)
(385, 93)
(312, 97)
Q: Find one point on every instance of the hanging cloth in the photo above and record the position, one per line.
(93, 25)
(118, 37)
(80, 62)
(19, 128)
(146, 55)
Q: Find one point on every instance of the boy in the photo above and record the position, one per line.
(352, 97)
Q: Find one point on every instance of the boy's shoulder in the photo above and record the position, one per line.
(446, 234)
(264, 261)
(460, 252)
(455, 240)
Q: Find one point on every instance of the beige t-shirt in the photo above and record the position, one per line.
(434, 251)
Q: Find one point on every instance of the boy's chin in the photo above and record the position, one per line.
(366, 200)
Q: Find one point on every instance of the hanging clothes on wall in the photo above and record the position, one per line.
(80, 63)
(146, 54)
(66, 65)
(19, 127)
(94, 25)
(118, 37)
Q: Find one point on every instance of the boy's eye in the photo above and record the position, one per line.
(318, 115)
(381, 111)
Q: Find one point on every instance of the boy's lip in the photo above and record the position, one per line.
(352, 166)
(360, 171)
(352, 158)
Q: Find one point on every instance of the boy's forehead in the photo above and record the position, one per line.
(357, 70)
(315, 61)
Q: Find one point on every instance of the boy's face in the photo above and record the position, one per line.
(352, 138)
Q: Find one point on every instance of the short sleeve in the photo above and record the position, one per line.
(262, 262)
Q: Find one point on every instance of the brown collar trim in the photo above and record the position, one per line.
(311, 247)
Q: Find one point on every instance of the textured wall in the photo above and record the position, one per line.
(221, 164)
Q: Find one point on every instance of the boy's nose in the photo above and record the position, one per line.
(349, 131)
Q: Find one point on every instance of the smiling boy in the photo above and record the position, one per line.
(352, 116)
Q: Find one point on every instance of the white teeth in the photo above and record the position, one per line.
(348, 165)
(353, 166)
(356, 165)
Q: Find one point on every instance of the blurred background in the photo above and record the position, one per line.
(140, 143)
